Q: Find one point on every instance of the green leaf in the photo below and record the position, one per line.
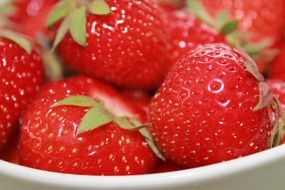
(81, 101)
(148, 137)
(229, 27)
(62, 31)
(250, 65)
(256, 48)
(58, 12)
(99, 7)
(78, 26)
(253, 69)
(7, 8)
(265, 97)
(198, 9)
(94, 118)
(124, 123)
(18, 39)
(222, 17)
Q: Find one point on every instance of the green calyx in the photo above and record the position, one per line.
(98, 116)
(267, 100)
(73, 14)
(222, 22)
(6, 9)
(228, 27)
(19, 39)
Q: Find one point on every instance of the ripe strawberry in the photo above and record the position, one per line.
(187, 32)
(260, 18)
(168, 166)
(31, 16)
(125, 42)
(278, 66)
(54, 138)
(259, 44)
(210, 108)
(278, 88)
(10, 151)
(21, 77)
(139, 98)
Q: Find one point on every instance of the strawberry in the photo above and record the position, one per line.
(10, 151)
(168, 166)
(122, 42)
(82, 126)
(260, 18)
(21, 72)
(278, 88)
(278, 66)
(139, 98)
(31, 16)
(212, 107)
(187, 32)
(252, 33)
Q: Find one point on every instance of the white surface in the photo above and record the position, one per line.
(262, 171)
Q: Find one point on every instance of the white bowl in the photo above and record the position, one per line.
(262, 171)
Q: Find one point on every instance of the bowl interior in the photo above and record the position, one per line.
(196, 175)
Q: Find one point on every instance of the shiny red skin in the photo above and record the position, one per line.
(278, 66)
(127, 48)
(21, 77)
(260, 18)
(31, 16)
(187, 32)
(203, 112)
(49, 141)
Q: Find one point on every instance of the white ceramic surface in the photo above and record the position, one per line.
(262, 171)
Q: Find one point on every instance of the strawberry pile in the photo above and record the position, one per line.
(123, 87)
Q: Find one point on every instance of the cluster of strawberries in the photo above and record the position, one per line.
(124, 87)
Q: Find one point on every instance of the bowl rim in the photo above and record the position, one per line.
(194, 175)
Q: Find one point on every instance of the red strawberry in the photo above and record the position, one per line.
(168, 166)
(126, 42)
(54, 138)
(187, 32)
(260, 18)
(210, 108)
(31, 16)
(278, 88)
(278, 66)
(10, 151)
(21, 77)
(139, 98)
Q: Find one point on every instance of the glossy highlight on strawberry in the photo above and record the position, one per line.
(204, 111)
